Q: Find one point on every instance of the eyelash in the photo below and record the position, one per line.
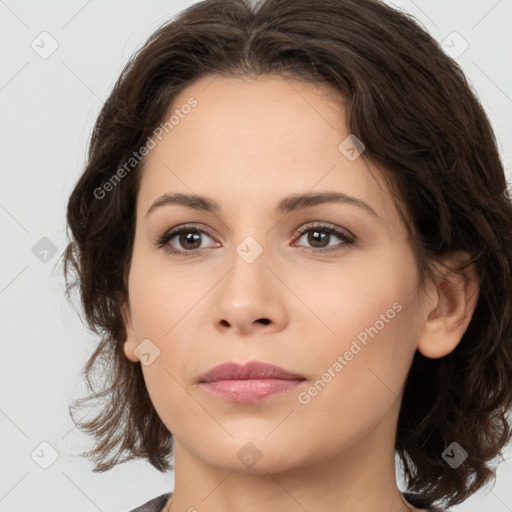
(348, 239)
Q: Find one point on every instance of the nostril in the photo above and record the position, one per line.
(264, 320)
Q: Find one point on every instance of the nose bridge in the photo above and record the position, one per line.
(247, 296)
(248, 278)
(250, 246)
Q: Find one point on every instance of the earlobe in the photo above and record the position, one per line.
(451, 308)
(130, 344)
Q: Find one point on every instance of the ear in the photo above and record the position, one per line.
(450, 307)
(130, 344)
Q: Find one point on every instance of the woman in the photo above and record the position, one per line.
(294, 235)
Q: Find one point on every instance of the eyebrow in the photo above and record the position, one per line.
(285, 205)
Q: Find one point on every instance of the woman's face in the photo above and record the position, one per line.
(324, 287)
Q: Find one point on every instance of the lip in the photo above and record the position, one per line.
(250, 370)
(252, 382)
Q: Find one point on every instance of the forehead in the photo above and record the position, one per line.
(247, 139)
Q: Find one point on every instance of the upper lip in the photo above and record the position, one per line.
(251, 370)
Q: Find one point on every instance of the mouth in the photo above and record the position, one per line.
(252, 382)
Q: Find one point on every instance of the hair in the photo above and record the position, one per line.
(421, 123)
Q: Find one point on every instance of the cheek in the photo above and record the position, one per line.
(359, 382)
(162, 297)
(165, 310)
(372, 315)
(356, 294)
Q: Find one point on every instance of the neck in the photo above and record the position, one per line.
(356, 478)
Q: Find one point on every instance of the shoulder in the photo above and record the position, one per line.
(417, 500)
(155, 505)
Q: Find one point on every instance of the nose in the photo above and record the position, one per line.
(250, 298)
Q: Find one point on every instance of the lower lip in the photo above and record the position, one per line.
(249, 390)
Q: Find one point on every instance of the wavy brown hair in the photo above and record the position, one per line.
(412, 107)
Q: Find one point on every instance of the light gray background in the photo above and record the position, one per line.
(48, 107)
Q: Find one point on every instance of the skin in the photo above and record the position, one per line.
(247, 144)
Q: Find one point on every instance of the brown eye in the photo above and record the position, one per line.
(184, 241)
(319, 238)
(190, 239)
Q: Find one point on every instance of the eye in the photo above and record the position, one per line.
(320, 236)
(189, 238)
